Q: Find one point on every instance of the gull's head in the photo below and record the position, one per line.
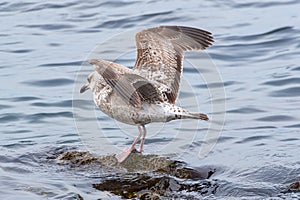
(91, 82)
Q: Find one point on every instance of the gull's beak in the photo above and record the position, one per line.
(84, 88)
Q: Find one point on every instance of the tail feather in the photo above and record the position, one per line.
(195, 116)
(199, 116)
(175, 112)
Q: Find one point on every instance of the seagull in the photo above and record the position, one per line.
(148, 92)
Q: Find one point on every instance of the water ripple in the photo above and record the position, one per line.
(23, 98)
(49, 27)
(74, 63)
(296, 69)
(218, 84)
(257, 128)
(9, 117)
(55, 82)
(109, 4)
(20, 51)
(258, 47)
(46, 6)
(246, 110)
(287, 92)
(259, 4)
(126, 23)
(281, 30)
(276, 118)
(34, 118)
(13, 7)
(117, 4)
(283, 82)
(253, 138)
(40, 116)
(66, 103)
(293, 126)
(4, 106)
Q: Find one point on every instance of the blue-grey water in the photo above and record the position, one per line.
(44, 46)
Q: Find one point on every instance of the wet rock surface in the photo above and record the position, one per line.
(154, 186)
(142, 176)
(294, 187)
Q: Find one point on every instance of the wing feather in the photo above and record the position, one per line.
(132, 88)
(160, 53)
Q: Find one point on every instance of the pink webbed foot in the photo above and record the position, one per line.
(127, 151)
(123, 154)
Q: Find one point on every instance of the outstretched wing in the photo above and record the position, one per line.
(160, 53)
(132, 88)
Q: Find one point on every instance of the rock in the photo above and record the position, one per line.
(144, 186)
(143, 176)
(294, 187)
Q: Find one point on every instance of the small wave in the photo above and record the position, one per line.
(283, 82)
(289, 139)
(75, 63)
(50, 82)
(4, 106)
(39, 116)
(20, 51)
(218, 84)
(9, 117)
(257, 128)
(108, 4)
(246, 110)
(23, 98)
(260, 4)
(46, 6)
(49, 26)
(130, 22)
(276, 118)
(264, 35)
(66, 103)
(13, 7)
(293, 126)
(253, 138)
(296, 69)
(288, 92)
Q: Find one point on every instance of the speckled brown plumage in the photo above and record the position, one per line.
(148, 92)
(160, 53)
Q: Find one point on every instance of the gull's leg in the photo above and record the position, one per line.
(126, 152)
(142, 130)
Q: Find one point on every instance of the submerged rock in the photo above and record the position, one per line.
(155, 186)
(143, 176)
(294, 187)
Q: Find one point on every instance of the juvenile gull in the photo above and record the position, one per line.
(148, 92)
